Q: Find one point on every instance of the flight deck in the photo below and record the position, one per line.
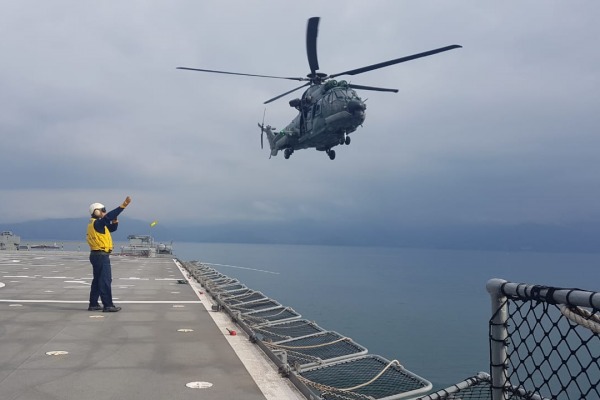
(166, 342)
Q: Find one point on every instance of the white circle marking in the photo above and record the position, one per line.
(57, 353)
(198, 385)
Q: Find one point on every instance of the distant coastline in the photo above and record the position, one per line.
(569, 238)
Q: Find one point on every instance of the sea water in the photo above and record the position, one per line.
(428, 309)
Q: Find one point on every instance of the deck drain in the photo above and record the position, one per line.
(57, 353)
(185, 330)
(198, 385)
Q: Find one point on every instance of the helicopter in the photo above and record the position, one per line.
(328, 110)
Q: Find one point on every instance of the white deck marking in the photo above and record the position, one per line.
(59, 277)
(57, 353)
(86, 301)
(198, 385)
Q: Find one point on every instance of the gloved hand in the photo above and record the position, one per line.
(126, 202)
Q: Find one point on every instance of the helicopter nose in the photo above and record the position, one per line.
(356, 106)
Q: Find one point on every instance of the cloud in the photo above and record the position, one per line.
(501, 131)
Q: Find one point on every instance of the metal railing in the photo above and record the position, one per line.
(544, 342)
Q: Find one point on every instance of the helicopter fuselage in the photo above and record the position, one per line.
(327, 113)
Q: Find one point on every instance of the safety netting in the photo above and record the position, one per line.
(247, 297)
(229, 287)
(258, 318)
(545, 342)
(364, 377)
(265, 304)
(317, 349)
(287, 330)
(477, 387)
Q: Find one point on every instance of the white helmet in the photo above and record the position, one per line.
(95, 206)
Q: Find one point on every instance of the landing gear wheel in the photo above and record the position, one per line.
(347, 140)
(287, 153)
(342, 141)
(331, 154)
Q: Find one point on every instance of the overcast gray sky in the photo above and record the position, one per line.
(504, 130)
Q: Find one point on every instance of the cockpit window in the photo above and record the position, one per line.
(343, 93)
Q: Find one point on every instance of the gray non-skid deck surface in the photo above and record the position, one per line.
(137, 353)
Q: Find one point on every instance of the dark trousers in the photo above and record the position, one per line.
(102, 279)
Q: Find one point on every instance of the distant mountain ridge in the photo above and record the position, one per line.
(523, 237)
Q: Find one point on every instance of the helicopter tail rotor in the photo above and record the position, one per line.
(262, 129)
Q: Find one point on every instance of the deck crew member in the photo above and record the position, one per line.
(98, 236)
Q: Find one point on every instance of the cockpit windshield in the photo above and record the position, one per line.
(339, 91)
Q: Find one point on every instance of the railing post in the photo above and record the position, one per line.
(498, 336)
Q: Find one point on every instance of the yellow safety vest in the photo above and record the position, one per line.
(99, 241)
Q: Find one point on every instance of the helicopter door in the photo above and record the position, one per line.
(314, 112)
(308, 120)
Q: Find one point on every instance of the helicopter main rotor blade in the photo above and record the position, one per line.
(377, 89)
(286, 93)
(395, 61)
(312, 30)
(239, 73)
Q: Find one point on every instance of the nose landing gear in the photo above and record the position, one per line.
(287, 153)
(331, 154)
